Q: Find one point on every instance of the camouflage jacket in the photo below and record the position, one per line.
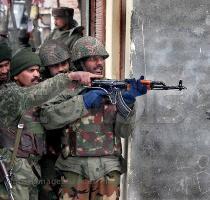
(102, 127)
(69, 37)
(15, 100)
(66, 109)
(63, 109)
(53, 125)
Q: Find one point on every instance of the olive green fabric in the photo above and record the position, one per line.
(56, 115)
(68, 37)
(19, 99)
(92, 168)
(24, 181)
(23, 60)
(5, 52)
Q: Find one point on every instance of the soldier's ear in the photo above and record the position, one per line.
(15, 78)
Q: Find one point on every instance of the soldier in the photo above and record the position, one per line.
(18, 105)
(5, 57)
(67, 29)
(55, 59)
(91, 163)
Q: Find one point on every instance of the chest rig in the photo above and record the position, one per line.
(32, 137)
(93, 134)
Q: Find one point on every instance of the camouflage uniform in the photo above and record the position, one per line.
(70, 36)
(52, 53)
(16, 107)
(91, 163)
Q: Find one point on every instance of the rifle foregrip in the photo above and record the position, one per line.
(146, 82)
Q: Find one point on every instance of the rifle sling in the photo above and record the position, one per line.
(35, 172)
(16, 145)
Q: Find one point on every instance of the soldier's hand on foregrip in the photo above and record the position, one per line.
(136, 89)
(160, 85)
(142, 88)
(147, 83)
(83, 77)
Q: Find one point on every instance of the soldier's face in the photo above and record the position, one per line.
(59, 22)
(28, 77)
(95, 65)
(62, 67)
(4, 70)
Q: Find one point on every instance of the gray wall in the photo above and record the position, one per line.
(170, 148)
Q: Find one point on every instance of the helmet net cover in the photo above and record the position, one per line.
(53, 52)
(88, 46)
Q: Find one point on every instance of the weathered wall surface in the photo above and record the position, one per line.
(170, 149)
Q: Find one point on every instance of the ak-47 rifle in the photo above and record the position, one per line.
(6, 178)
(159, 85)
(113, 88)
(110, 84)
(5, 174)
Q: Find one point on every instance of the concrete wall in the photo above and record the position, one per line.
(170, 148)
(113, 38)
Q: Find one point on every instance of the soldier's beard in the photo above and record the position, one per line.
(97, 70)
(4, 79)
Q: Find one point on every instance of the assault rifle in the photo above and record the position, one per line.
(113, 88)
(6, 178)
(159, 85)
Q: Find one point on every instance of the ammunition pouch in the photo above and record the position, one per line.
(29, 143)
(73, 144)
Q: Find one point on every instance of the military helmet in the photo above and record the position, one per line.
(53, 52)
(63, 12)
(88, 46)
